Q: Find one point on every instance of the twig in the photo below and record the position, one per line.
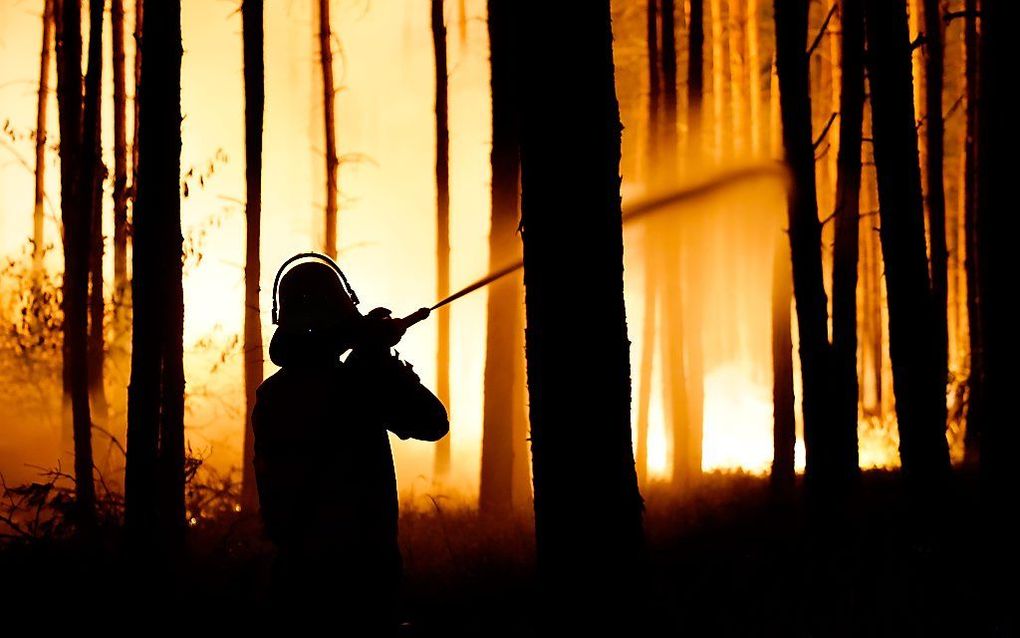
(825, 131)
(821, 31)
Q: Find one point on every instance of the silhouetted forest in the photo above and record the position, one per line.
(714, 295)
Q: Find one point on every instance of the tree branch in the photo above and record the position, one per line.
(822, 30)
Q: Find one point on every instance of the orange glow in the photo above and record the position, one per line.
(386, 138)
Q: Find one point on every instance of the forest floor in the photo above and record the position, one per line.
(728, 560)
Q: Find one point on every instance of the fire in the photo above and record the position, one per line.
(738, 421)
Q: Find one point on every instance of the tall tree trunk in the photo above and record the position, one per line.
(503, 340)
(586, 496)
(155, 465)
(934, 34)
(329, 124)
(755, 72)
(139, 20)
(738, 125)
(784, 420)
(669, 91)
(975, 385)
(93, 175)
(913, 341)
(254, 106)
(997, 275)
(847, 235)
(39, 213)
(695, 76)
(442, 461)
(120, 180)
(75, 213)
(806, 242)
(718, 79)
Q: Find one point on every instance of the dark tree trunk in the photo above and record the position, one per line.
(442, 461)
(918, 383)
(93, 175)
(254, 105)
(784, 424)
(669, 90)
(997, 276)
(504, 330)
(120, 180)
(934, 36)
(76, 209)
(329, 123)
(39, 213)
(847, 236)
(806, 242)
(975, 385)
(155, 464)
(139, 19)
(695, 73)
(586, 497)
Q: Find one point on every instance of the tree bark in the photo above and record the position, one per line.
(934, 36)
(975, 385)
(75, 213)
(784, 421)
(442, 461)
(806, 243)
(93, 176)
(329, 124)
(695, 75)
(847, 235)
(254, 106)
(121, 302)
(754, 66)
(913, 341)
(39, 212)
(503, 341)
(997, 275)
(154, 506)
(586, 497)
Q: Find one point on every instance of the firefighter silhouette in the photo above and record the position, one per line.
(323, 463)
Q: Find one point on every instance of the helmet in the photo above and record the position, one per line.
(315, 309)
(312, 297)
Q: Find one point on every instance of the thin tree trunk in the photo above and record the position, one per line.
(120, 178)
(155, 465)
(738, 125)
(254, 106)
(934, 34)
(718, 77)
(784, 423)
(39, 213)
(975, 385)
(500, 445)
(139, 20)
(755, 71)
(442, 461)
(93, 176)
(913, 341)
(695, 76)
(329, 123)
(75, 210)
(847, 235)
(586, 496)
(805, 240)
(669, 149)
